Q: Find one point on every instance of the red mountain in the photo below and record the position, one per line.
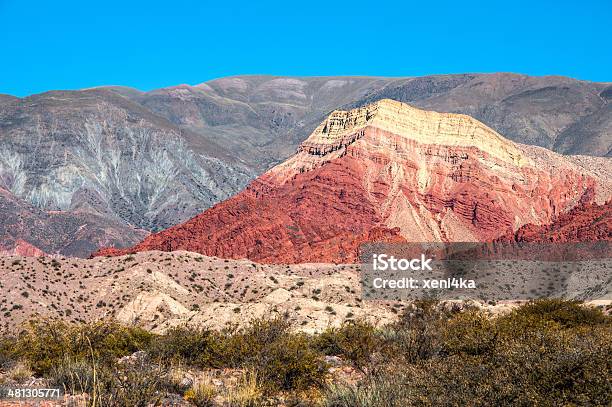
(389, 172)
(584, 223)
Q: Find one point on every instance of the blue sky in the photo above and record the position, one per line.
(59, 44)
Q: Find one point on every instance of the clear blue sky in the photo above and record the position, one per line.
(59, 44)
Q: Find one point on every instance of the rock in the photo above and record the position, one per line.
(387, 172)
(586, 222)
(333, 360)
(186, 383)
(135, 358)
(22, 248)
(29, 231)
(106, 167)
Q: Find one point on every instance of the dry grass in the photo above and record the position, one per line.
(202, 393)
(19, 372)
(247, 393)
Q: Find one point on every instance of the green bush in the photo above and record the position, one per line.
(7, 345)
(543, 353)
(243, 346)
(417, 335)
(130, 382)
(137, 383)
(546, 352)
(374, 391)
(289, 363)
(201, 395)
(355, 341)
(74, 376)
(185, 345)
(471, 332)
(46, 343)
(281, 359)
(565, 313)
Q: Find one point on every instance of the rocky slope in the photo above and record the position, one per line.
(155, 159)
(559, 113)
(259, 119)
(29, 231)
(97, 151)
(158, 290)
(388, 172)
(263, 119)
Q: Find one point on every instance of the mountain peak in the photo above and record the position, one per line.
(412, 124)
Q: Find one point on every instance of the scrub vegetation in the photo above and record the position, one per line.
(546, 352)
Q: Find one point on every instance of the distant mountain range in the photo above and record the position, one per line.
(144, 161)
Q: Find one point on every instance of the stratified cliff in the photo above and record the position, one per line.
(386, 171)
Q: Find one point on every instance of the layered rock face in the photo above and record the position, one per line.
(562, 114)
(385, 172)
(586, 222)
(22, 248)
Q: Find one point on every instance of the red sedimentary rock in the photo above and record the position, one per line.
(23, 248)
(586, 222)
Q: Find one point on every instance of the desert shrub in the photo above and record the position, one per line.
(471, 332)
(190, 346)
(130, 381)
(231, 347)
(565, 313)
(558, 368)
(19, 372)
(531, 356)
(46, 343)
(281, 359)
(547, 352)
(567, 371)
(374, 391)
(7, 357)
(73, 376)
(289, 363)
(201, 394)
(247, 393)
(417, 335)
(177, 379)
(355, 341)
(136, 383)
(243, 346)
